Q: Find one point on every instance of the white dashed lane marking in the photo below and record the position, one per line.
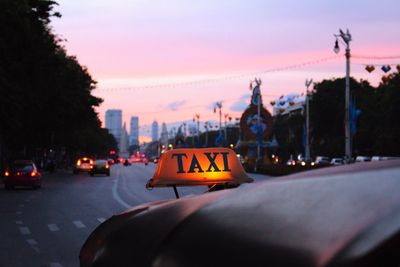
(32, 242)
(21, 205)
(19, 212)
(18, 222)
(101, 220)
(24, 230)
(55, 264)
(53, 227)
(79, 224)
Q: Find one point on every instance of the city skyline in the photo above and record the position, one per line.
(169, 61)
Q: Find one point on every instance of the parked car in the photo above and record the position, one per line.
(362, 158)
(337, 161)
(100, 167)
(322, 160)
(83, 165)
(22, 173)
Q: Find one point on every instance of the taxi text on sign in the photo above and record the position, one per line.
(203, 166)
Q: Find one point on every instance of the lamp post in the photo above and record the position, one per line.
(219, 106)
(307, 144)
(226, 115)
(346, 37)
(196, 119)
(206, 125)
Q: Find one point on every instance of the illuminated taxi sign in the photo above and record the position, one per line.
(204, 166)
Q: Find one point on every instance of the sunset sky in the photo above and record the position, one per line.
(170, 60)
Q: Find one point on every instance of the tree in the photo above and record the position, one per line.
(387, 123)
(377, 125)
(45, 95)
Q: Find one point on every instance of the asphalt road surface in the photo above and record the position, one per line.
(47, 227)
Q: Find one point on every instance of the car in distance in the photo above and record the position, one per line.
(100, 167)
(145, 160)
(154, 159)
(83, 165)
(337, 161)
(363, 158)
(126, 162)
(22, 173)
(322, 160)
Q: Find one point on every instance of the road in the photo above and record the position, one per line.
(47, 227)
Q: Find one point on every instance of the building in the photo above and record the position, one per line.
(123, 143)
(114, 123)
(134, 136)
(164, 134)
(154, 131)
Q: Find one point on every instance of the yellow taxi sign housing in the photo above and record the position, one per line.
(200, 166)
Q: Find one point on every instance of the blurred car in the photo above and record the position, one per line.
(110, 161)
(22, 173)
(154, 159)
(100, 167)
(322, 160)
(362, 158)
(145, 160)
(291, 162)
(126, 162)
(337, 161)
(241, 159)
(347, 216)
(83, 165)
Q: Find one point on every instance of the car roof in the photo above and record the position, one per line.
(22, 161)
(340, 216)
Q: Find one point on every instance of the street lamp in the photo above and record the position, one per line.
(307, 144)
(206, 125)
(196, 119)
(226, 115)
(346, 37)
(219, 106)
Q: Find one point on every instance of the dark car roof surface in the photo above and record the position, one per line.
(338, 216)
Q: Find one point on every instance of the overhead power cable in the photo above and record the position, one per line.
(375, 57)
(222, 78)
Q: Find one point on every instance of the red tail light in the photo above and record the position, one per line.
(6, 174)
(33, 174)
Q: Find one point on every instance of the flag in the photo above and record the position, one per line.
(220, 139)
(354, 114)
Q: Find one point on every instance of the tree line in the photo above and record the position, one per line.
(376, 128)
(46, 100)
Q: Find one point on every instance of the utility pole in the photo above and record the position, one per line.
(206, 124)
(225, 129)
(346, 37)
(196, 118)
(219, 106)
(307, 144)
